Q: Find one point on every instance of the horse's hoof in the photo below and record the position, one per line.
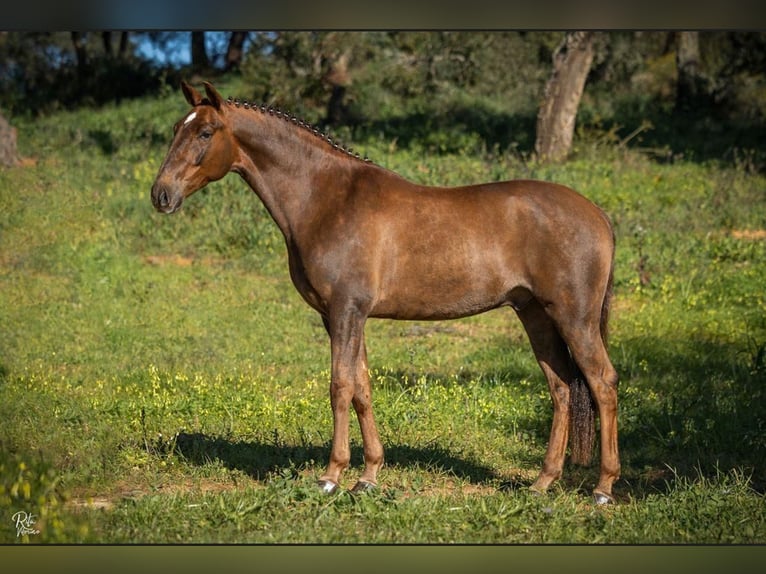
(536, 492)
(328, 486)
(363, 486)
(602, 498)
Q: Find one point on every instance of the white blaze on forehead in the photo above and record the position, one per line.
(190, 117)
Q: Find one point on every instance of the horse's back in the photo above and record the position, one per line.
(496, 203)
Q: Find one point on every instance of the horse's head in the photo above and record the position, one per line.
(203, 150)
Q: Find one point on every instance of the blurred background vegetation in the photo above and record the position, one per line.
(701, 95)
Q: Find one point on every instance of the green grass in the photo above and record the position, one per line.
(162, 381)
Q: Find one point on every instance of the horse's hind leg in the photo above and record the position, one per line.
(552, 355)
(373, 448)
(589, 352)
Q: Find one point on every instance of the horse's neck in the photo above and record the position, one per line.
(285, 165)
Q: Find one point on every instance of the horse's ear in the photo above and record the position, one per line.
(212, 94)
(192, 96)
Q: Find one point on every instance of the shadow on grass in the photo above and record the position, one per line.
(707, 415)
(700, 134)
(261, 459)
(704, 132)
(455, 128)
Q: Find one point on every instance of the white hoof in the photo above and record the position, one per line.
(328, 486)
(602, 499)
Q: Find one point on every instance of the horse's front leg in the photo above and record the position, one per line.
(350, 384)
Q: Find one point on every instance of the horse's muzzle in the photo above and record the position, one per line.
(164, 200)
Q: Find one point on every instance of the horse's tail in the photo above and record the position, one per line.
(582, 411)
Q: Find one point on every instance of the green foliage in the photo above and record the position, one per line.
(161, 380)
(39, 74)
(453, 92)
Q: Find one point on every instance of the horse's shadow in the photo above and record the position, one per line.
(260, 460)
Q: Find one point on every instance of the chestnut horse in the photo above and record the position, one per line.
(364, 242)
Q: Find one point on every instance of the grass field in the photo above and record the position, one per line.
(161, 381)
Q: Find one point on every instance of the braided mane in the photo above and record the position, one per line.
(264, 109)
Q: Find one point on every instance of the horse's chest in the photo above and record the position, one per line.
(306, 282)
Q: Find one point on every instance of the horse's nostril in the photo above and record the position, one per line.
(164, 199)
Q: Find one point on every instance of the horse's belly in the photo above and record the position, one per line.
(429, 295)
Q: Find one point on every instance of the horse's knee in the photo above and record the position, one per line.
(341, 395)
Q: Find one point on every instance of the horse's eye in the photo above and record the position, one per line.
(206, 134)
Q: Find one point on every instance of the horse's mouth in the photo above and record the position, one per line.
(170, 209)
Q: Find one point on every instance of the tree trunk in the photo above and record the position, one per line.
(123, 50)
(339, 79)
(9, 157)
(199, 59)
(556, 118)
(81, 53)
(106, 39)
(687, 64)
(235, 50)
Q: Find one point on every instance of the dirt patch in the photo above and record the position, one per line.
(750, 234)
(160, 260)
(97, 503)
(124, 492)
(179, 260)
(127, 491)
(454, 489)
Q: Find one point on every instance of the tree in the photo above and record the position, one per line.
(81, 52)
(308, 71)
(106, 38)
(338, 78)
(199, 59)
(556, 117)
(235, 50)
(688, 85)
